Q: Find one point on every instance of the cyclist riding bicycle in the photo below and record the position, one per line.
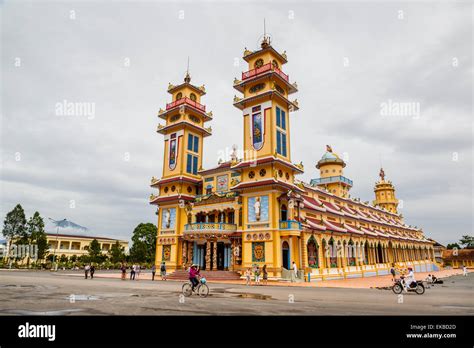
(194, 275)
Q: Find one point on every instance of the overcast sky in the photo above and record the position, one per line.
(347, 58)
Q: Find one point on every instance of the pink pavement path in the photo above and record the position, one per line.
(355, 283)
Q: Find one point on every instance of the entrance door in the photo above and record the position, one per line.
(285, 252)
(220, 256)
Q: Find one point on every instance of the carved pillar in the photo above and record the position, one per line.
(214, 256)
(208, 255)
(190, 253)
(304, 253)
(185, 255)
(232, 251)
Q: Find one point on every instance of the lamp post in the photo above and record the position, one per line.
(57, 223)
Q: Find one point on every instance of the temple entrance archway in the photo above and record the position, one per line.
(285, 254)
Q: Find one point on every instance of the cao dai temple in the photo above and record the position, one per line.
(253, 210)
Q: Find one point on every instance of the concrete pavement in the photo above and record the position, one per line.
(46, 293)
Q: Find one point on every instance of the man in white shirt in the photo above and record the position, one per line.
(410, 278)
(295, 269)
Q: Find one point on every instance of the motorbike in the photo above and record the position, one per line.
(416, 286)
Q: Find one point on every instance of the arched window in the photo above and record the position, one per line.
(351, 253)
(313, 260)
(192, 96)
(179, 96)
(379, 253)
(366, 253)
(332, 254)
(283, 213)
(275, 63)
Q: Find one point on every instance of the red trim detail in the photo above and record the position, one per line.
(188, 101)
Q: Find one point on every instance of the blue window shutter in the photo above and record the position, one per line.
(189, 163)
(283, 119)
(279, 142)
(190, 142)
(196, 144)
(195, 164)
(278, 116)
(283, 144)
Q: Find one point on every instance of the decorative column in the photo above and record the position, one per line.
(190, 253)
(208, 256)
(185, 253)
(321, 261)
(232, 253)
(304, 253)
(214, 256)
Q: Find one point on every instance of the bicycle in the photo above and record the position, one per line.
(201, 289)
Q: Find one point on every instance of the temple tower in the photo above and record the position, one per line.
(332, 178)
(385, 194)
(267, 174)
(183, 133)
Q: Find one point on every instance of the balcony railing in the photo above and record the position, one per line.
(188, 101)
(263, 69)
(210, 227)
(290, 225)
(331, 179)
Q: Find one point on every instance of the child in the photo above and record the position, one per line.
(257, 276)
(248, 275)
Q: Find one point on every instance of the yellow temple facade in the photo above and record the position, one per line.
(253, 210)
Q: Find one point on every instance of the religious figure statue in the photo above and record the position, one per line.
(382, 174)
(167, 218)
(233, 155)
(256, 207)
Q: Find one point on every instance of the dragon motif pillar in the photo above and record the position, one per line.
(214, 256)
(208, 255)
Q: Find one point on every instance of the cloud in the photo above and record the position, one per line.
(105, 163)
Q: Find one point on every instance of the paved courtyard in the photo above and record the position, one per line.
(46, 293)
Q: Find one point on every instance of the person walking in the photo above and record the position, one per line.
(153, 272)
(132, 272)
(92, 270)
(163, 271)
(265, 274)
(124, 271)
(137, 271)
(464, 270)
(392, 272)
(257, 275)
(295, 269)
(86, 270)
(248, 277)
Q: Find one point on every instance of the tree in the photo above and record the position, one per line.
(14, 225)
(36, 234)
(116, 252)
(452, 246)
(144, 243)
(63, 258)
(73, 258)
(467, 242)
(95, 252)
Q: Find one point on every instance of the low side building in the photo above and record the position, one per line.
(458, 257)
(71, 244)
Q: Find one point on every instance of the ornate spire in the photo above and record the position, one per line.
(266, 39)
(187, 78)
(328, 148)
